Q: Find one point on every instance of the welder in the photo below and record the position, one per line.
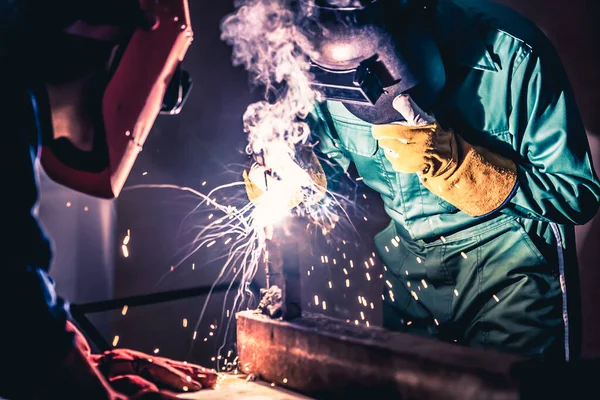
(469, 131)
(459, 113)
(81, 84)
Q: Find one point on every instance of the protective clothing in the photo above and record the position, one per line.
(144, 68)
(448, 166)
(33, 316)
(287, 182)
(133, 370)
(507, 280)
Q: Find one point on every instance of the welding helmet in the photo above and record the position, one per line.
(145, 79)
(364, 53)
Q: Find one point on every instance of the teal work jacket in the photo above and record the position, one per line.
(506, 90)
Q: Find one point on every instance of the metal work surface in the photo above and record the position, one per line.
(327, 358)
(237, 387)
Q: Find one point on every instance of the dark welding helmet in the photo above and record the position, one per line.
(145, 80)
(364, 53)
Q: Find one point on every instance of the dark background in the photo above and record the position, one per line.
(205, 144)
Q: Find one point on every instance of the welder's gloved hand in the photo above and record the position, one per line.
(472, 178)
(293, 182)
(132, 372)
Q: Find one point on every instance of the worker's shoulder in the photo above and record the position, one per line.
(505, 32)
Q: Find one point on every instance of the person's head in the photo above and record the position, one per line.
(106, 82)
(366, 52)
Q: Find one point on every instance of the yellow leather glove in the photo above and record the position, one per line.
(259, 181)
(472, 178)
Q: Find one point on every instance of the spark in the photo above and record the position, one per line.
(367, 264)
(362, 315)
(360, 178)
(127, 238)
(364, 196)
(204, 183)
(185, 322)
(456, 292)
(351, 264)
(372, 261)
(436, 322)
(424, 283)
(125, 251)
(387, 249)
(409, 323)
(115, 341)
(347, 282)
(414, 294)
(368, 276)
(194, 336)
(443, 239)
(86, 208)
(496, 298)
(388, 283)
(69, 204)
(156, 350)
(372, 306)
(356, 322)
(316, 300)
(330, 285)
(193, 266)
(367, 323)
(345, 271)
(124, 310)
(419, 260)
(211, 244)
(285, 380)
(462, 253)
(324, 305)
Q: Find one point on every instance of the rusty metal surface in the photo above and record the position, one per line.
(327, 358)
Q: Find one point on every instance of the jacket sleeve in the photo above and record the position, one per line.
(333, 159)
(33, 329)
(556, 179)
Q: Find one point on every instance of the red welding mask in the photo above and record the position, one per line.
(146, 79)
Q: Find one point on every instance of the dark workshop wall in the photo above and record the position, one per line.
(205, 143)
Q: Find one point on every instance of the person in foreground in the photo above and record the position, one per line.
(80, 92)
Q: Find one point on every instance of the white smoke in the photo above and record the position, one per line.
(261, 33)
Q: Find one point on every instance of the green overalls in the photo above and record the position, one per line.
(508, 280)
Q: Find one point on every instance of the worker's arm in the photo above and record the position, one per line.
(333, 159)
(556, 178)
(37, 348)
